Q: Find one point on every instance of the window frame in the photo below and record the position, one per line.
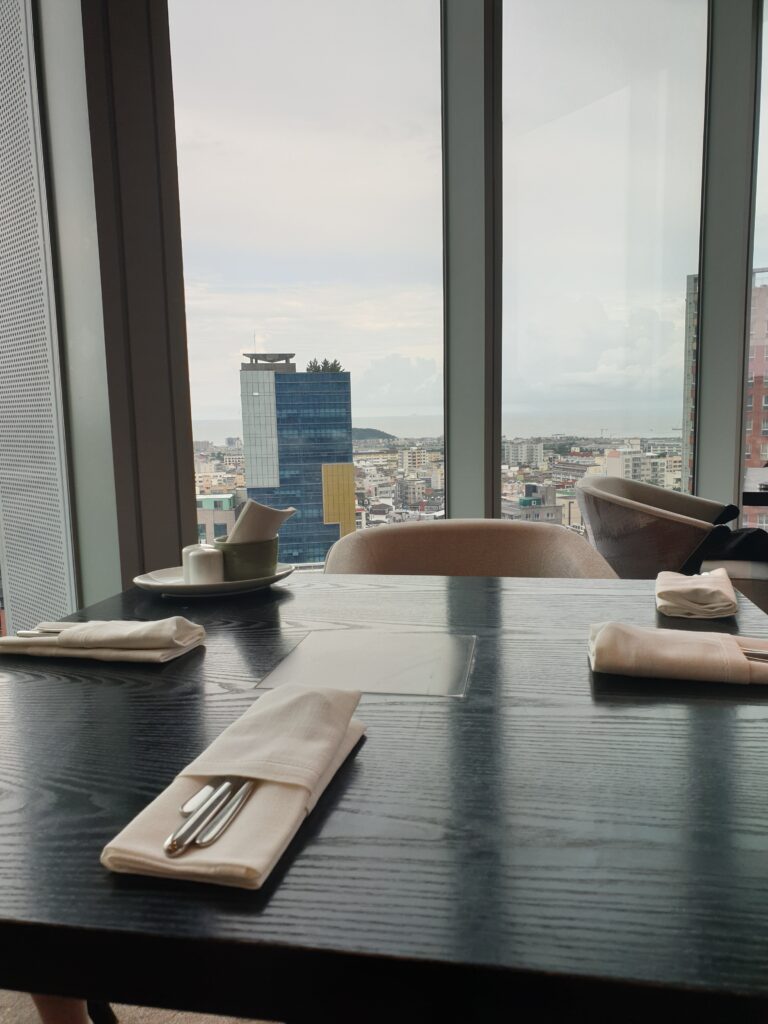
(725, 260)
(130, 106)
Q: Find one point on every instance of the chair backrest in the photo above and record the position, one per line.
(657, 497)
(468, 547)
(641, 529)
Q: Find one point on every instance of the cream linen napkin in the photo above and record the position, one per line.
(157, 641)
(674, 654)
(293, 739)
(258, 522)
(709, 595)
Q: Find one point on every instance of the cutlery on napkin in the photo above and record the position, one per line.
(157, 641)
(708, 595)
(213, 813)
(258, 522)
(291, 742)
(619, 649)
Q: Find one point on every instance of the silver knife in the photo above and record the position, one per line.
(41, 631)
(197, 800)
(187, 832)
(226, 815)
(47, 628)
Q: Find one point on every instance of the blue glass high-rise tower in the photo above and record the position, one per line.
(297, 443)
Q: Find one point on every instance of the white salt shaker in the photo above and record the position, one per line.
(185, 559)
(204, 565)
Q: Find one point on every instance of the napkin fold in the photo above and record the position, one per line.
(709, 595)
(619, 649)
(292, 740)
(158, 641)
(258, 522)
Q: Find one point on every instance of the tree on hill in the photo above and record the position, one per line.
(327, 366)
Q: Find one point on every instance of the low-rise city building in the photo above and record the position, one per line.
(662, 470)
(522, 452)
(537, 504)
(567, 471)
(401, 479)
(216, 514)
(411, 460)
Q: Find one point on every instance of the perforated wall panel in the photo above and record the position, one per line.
(36, 558)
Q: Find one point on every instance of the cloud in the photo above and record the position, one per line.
(390, 333)
(579, 349)
(398, 385)
(309, 147)
(309, 140)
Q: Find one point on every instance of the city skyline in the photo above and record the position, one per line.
(216, 430)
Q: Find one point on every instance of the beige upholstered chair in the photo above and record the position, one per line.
(641, 529)
(468, 547)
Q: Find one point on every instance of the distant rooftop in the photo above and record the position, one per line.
(278, 362)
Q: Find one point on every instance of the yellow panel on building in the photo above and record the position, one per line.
(339, 495)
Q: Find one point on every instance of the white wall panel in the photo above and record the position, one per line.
(36, 547)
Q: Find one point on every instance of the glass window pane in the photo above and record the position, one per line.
(603, 108)
(310, 174)
(756, 396)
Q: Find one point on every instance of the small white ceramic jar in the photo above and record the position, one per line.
(204, 565)
(185, 559)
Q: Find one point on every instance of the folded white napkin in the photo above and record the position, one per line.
(293, 740)
(157, 641)
(619, 649)
(258, 522)
(709, 595)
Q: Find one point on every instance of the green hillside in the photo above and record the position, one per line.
(370, 434)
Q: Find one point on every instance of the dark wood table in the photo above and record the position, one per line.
(549, 844)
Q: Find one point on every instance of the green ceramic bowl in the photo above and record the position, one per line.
(251, 561)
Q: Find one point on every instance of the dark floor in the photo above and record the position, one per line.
(17, 1008)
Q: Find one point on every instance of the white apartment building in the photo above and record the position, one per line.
(674, 472)
(385, 491)
(566, 471)
(413, 459)
(645, 467)
(411, 491)
(521, 452)
(386, 462)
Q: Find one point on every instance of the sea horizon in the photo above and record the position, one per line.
(216, 430)
(414, 427)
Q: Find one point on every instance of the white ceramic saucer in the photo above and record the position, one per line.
(171, 581)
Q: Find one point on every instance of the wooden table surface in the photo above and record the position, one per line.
(548, 841)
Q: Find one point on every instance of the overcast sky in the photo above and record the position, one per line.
(310, 176)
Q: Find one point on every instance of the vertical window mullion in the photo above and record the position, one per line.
(726, 245)
(472, 226)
